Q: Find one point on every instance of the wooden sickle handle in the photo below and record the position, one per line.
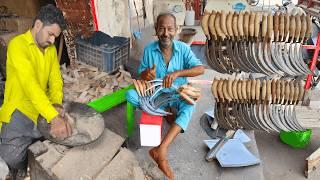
(212, 29)
(223, 22)
(270, 26)
(240, 24)
(244, 90)
(217, 24)
(235, 25)
(248, 91)
(258, 85)
(286, 26)
(229, 24)
(239, 90)
(268, 94)
(246, 24)
(225, 90)
(234, 90)
(214, 89)
(253, 89)
(264, 90)
(204, 23)
(292, 27)
(298, 27)
(220, 92)
(303, 27)
(264, 26)
(276, 24)
(278, 91)
(273, 91)
(251, 24)
(257, 25)
(229, 87)
(281, 27)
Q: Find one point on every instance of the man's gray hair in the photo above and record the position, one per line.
(166, 14)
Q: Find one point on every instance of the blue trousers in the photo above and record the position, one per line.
(184, 110)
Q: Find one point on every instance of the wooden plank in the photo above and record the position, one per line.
(85, 162)
(307, 117)
(123, 166)
(312, 162)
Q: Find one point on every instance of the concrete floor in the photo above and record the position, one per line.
(187, 153)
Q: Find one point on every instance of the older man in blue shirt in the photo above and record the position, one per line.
(173, 61)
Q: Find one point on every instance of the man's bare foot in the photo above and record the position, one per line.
(162, 162)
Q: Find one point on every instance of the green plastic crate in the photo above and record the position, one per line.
(296, 139)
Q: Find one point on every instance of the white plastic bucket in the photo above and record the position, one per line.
(189, 19)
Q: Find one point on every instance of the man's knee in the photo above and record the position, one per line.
(132, 97)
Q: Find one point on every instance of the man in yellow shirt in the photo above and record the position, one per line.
(33, 87)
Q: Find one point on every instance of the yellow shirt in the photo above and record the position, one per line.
(33, 82)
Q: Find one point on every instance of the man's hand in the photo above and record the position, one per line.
(60, 128)
(60, 109)
(149, 74)
(168, 79)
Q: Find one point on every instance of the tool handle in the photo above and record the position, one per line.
(234, 89)
(286, 25)
(268, 94)
(273, 91)
(229, 24)
(248, 91)
(223, 22)
(309, 27)
(287, 91)
(296, 92)
(281, 27)
(246, 24)
(229, 87)
(264, 26)
(220, 92)
(251, 23)
(301, 91)
(235, 25)
(270, 26)
(298, 27)
(303, 27)
(257, 25)
(244, 89)
(240, 24)
(276, 25)
(204, 24)
(292, 27)
(264, 90)
(217, 24)
(225, 90)
(136, 86)
(291, 95)
(253, 89)
(212, 29)
(282, 91)
(258, 85)
(214, 89)
(239, 90)
(278, 90)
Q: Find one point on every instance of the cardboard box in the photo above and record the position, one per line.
(150, 129)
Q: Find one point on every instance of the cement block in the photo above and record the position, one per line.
(123, 166)
(85, 162)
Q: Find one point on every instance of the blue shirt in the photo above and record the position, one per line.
(182, 58)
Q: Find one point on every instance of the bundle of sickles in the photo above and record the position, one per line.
(255, 42)
(152, 97)
(267, 105)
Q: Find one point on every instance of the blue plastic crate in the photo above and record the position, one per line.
(102, 51)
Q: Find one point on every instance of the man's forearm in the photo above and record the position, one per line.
(192, 72)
